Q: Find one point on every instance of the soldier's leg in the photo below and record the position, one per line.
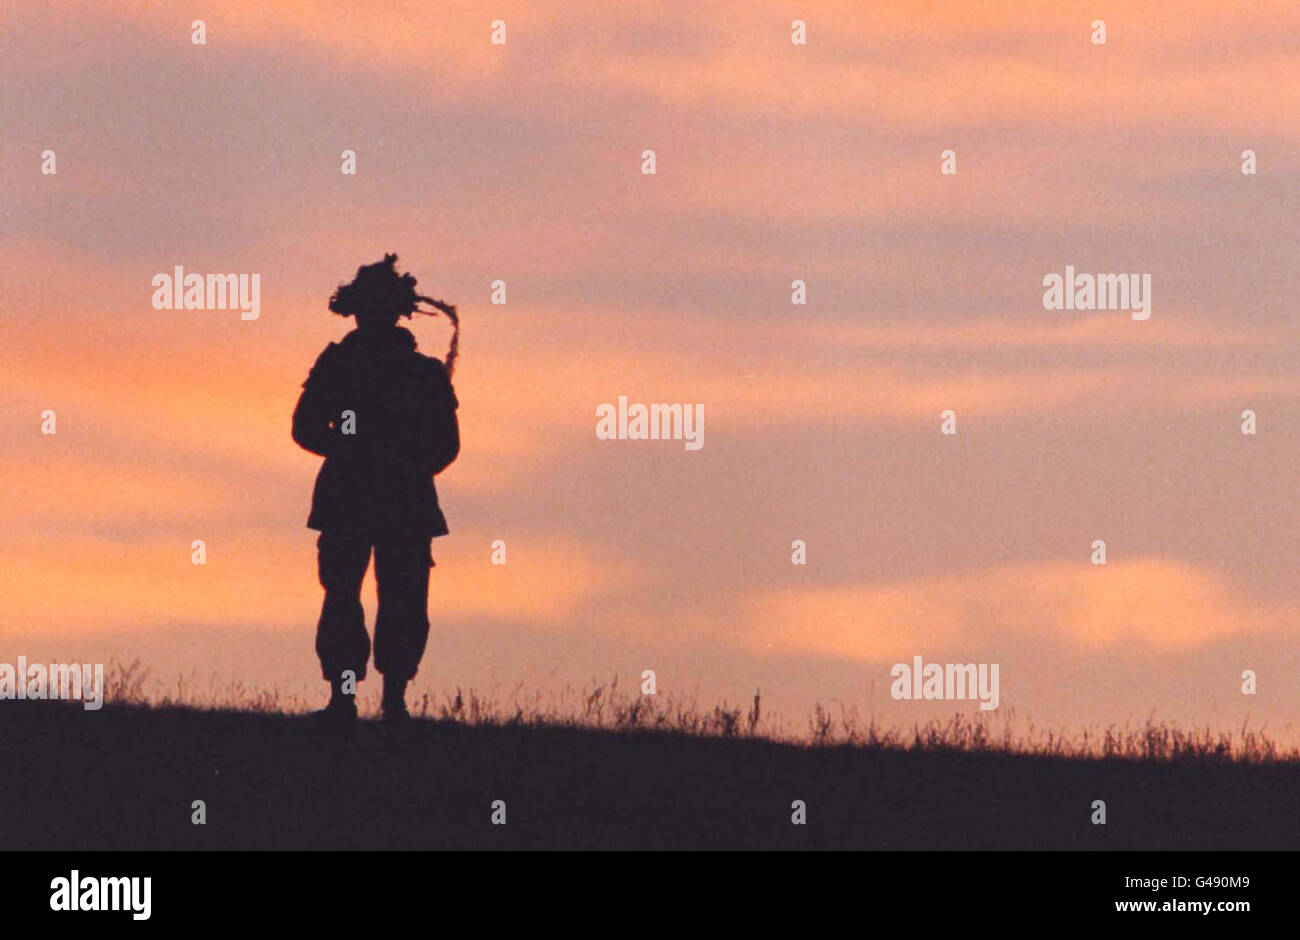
(341, 639)
(402, 565)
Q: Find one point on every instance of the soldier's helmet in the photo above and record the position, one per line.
(377, 291)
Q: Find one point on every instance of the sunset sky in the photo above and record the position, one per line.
(775, 162)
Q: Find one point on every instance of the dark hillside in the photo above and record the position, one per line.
(125, 778)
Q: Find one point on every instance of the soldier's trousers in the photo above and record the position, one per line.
(402, 563)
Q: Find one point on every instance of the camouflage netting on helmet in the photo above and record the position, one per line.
(377, 288)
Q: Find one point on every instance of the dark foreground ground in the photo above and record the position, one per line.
(126, 778)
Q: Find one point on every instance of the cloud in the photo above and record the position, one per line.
(1122, 607)
(891, 64)
(79, 585)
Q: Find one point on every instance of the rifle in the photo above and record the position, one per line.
(449, 310)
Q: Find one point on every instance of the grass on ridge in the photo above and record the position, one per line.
(606, 706)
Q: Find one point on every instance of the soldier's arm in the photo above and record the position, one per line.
(443, 427)
(313, 414)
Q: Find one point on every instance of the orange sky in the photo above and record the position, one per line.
(775, 162)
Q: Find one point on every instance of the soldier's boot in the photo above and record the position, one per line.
(394, 700)
(342, 707)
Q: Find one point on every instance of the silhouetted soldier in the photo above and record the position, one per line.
(384, 418)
